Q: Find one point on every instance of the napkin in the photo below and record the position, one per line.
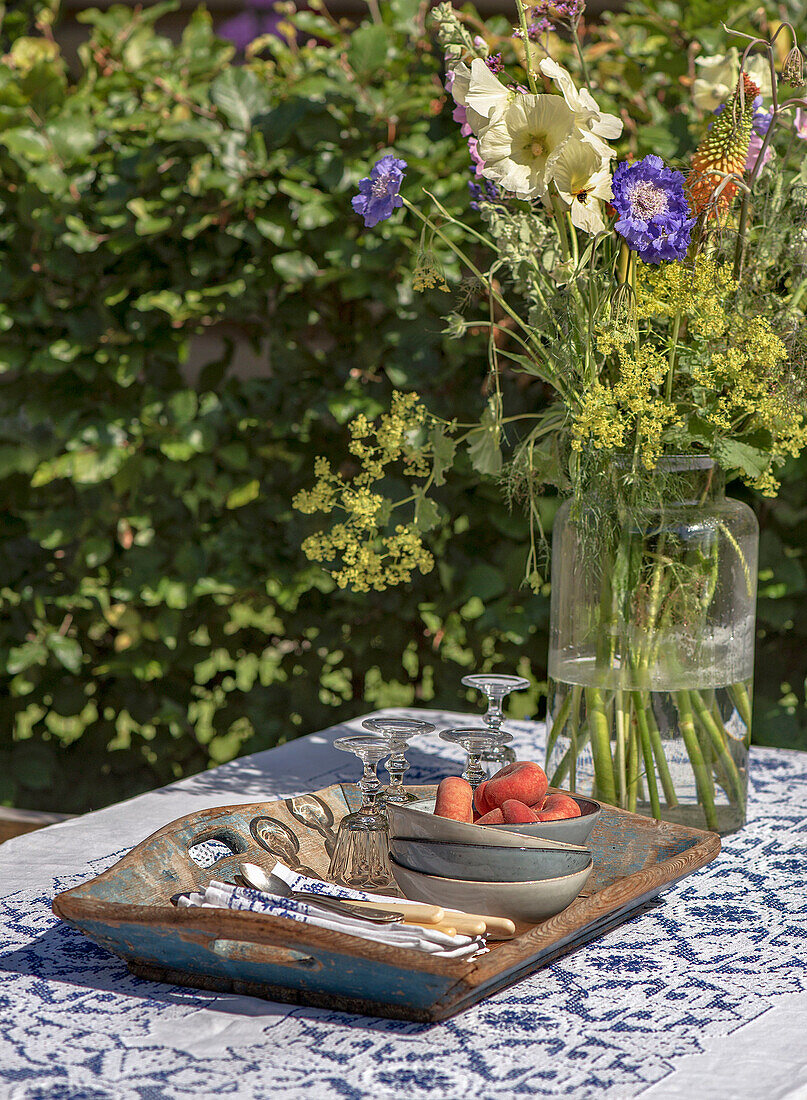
(415, 937)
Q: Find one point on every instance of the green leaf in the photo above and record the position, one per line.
(444, 449)
(26, 143)
(484, 449)
(67, 651)
(25, 656)
(245, 494)
(368, 48)
(240, 96)
(294, 266)
(427, 514)
(733, 454)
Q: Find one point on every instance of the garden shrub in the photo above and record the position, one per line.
(157, 613)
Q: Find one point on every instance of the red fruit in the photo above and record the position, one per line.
(558, 807)
(455, 800)
(538, 806)
(523, 781)
(495, 817)
(480, 802)
(516, 813)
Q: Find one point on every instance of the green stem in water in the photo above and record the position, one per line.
(558, 724)
(633, 763)
(600, 745)
(647, 752)
(568, 763)
(717, 737)
(656, 743)
(703, 779)
(739, 697)
(621, 751)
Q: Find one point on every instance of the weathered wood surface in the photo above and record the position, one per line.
(128, 910)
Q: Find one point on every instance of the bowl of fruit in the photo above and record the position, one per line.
(513, 808)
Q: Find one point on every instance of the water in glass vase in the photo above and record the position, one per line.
(670, 748)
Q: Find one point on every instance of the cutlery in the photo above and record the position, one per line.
(257, 878)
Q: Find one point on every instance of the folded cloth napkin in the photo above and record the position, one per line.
(221, 895)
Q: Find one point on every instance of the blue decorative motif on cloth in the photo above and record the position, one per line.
(614, 1016)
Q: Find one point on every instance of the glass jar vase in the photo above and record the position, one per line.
(651, 651)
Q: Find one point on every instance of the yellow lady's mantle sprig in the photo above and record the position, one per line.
(369, 553)
(731, 371)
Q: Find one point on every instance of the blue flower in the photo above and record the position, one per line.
(378, 193)
(654, 216)
(762, 118)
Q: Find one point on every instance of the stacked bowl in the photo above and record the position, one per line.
(524, 872)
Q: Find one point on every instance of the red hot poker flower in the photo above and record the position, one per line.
(723, 151)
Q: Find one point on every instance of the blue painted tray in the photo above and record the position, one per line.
(128, 910)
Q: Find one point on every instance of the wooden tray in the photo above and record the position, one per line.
(128, 910)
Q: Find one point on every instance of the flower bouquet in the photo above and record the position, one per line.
(663, 307)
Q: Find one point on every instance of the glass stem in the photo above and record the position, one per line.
(397, 766)
(494, 715)
(474, 772)
(370, 788)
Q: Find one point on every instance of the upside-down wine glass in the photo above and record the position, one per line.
(477, 741)
(397, 732)
(496, 687)
(361, 853)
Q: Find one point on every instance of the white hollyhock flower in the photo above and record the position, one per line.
(582, 179)
(593, 124)
(757, 67)
(522, 142)
(716, 80)
(479, 92)
(718, 76)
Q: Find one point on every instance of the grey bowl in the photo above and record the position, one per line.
(416, 819)
(526, 901)
(486, 862)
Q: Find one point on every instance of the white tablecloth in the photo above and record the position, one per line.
(703, 996)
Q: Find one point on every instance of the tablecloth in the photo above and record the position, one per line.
(704, 995)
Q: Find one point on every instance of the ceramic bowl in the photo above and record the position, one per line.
(487, 862)
(523, 901)
(416, 819)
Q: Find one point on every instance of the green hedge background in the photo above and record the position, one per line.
(157, 615)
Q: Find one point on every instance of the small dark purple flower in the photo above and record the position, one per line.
(486, 191)
(378, 193)
(494, 62)
(654, 216)
(762, 118)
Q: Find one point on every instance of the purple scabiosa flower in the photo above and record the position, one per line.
(762, 118)
(653, 214)
(378, 193)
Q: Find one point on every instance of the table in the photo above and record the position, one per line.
(704, 995)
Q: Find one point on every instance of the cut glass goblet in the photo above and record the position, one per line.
(397, 732)
(361, 853)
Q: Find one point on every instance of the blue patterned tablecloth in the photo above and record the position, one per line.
(704, 995)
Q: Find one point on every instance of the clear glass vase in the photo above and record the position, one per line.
(651, 652)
